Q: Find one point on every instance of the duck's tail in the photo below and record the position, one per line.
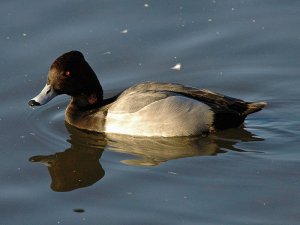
(253, 107)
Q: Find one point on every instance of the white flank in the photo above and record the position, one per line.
(169, 117)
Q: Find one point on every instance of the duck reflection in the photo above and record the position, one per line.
(79, 165)
(76, 167)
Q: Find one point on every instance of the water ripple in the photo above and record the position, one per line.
(47, 123)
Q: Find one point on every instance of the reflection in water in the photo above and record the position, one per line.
(79, 165)
(153, 151)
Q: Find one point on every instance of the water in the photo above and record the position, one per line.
(246, 49)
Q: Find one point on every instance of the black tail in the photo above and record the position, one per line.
(253, 107)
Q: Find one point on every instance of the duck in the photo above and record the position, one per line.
(152, 109)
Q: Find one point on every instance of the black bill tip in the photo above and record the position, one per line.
(33, 103)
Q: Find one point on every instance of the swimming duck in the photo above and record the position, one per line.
(145, 109)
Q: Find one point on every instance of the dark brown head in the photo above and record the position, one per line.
(70, 74)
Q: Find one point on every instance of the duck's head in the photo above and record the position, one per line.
(70, 74)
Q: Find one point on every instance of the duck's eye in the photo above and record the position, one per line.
(67, 73)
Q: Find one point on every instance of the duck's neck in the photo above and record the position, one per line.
(87, 101)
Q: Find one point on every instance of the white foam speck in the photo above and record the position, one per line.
(107, 53)
(173, 173)
(176, 67)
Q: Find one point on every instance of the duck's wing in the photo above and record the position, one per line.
(217, 101)
(229, 112)
(132, 100)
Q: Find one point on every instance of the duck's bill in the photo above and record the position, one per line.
(45, 96)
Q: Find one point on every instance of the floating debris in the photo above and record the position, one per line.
(124, 31)
(146, 5)
(177, 67)
(209, 20)
(78, 210)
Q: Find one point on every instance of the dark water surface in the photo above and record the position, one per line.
(54, 174)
